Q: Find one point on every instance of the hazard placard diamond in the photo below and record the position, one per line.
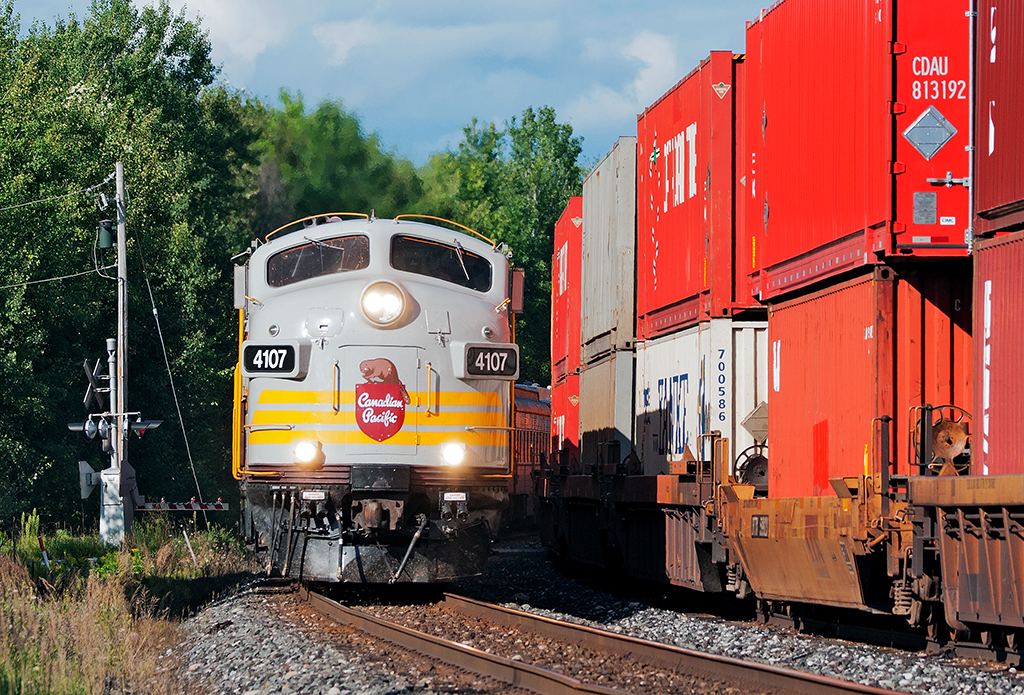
(929, 132)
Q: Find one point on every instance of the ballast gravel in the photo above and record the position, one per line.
(544, 591)
(262, 640)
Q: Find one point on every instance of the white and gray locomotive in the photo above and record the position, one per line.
(373, 399)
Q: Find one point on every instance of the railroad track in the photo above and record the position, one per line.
(713, 670)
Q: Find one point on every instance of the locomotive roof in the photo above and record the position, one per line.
(378, 226)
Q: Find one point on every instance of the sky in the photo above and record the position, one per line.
(415, 72)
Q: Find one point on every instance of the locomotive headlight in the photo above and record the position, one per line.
(308, 455)
(383, 303)
(453, 454)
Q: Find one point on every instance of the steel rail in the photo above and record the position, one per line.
(670, 657)
(516, 674)
(710, 667)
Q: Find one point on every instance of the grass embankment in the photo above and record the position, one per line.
(101, 625)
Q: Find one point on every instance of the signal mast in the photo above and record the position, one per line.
(120, 494)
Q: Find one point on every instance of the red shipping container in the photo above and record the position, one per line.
(565, 291)
(864, 110)
(999, 118)
(877, 345)
(565, 417)
(686, 177)
(997, 444)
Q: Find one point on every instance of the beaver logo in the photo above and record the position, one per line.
(382, 371)
(381, 401)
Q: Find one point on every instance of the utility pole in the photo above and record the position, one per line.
(119, 486)
(120, 492)
(122, 314)
(128, 488)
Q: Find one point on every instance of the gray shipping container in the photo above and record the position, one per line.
(609, 240)
(606, 409)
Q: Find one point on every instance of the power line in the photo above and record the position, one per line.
(170, 374)
(90, 189)
(62, 277)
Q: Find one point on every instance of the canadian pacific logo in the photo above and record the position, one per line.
(381, 401)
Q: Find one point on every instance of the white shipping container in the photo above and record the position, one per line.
(708, 377)
(609, 240)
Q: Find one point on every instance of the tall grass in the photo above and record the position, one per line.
(100, 626)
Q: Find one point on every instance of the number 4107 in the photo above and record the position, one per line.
(269, 358)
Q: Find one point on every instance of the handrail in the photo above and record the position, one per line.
(313, 217)
(336, 387)
(430, 384)
(490, 241)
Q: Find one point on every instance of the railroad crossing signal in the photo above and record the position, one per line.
(121, 496)
(93, 391)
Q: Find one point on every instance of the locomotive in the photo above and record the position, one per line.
(791, 421)
(373, 398)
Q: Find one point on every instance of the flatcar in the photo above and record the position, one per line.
(373, 398)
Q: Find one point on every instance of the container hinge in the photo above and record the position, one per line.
(949, 181)
(897, 167)
(970, 13)
(896, 108)
(897, 48)
(898, 227)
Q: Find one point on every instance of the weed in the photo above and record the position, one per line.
(99, 622)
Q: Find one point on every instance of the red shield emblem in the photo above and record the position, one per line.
(380, 410)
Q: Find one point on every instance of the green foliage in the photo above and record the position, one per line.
(512, 185)
(134, 85)
(324, 162)
(27, 547)
(66, 547)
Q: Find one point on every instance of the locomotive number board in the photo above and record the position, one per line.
(492, 361)
(278, 360)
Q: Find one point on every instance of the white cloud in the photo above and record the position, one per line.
(659, 72)
(341, 37)
(600, 105)
(242, 28)
(415, 46)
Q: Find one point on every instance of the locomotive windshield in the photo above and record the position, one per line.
(450, 263)
(318, 258)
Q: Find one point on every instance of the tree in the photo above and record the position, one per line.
(134, 85)
(324, 162)
(512, 185)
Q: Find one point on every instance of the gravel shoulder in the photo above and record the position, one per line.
(261, 640)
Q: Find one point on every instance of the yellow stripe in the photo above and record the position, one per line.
(274, 397)
(469, 438)
(348, 417)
